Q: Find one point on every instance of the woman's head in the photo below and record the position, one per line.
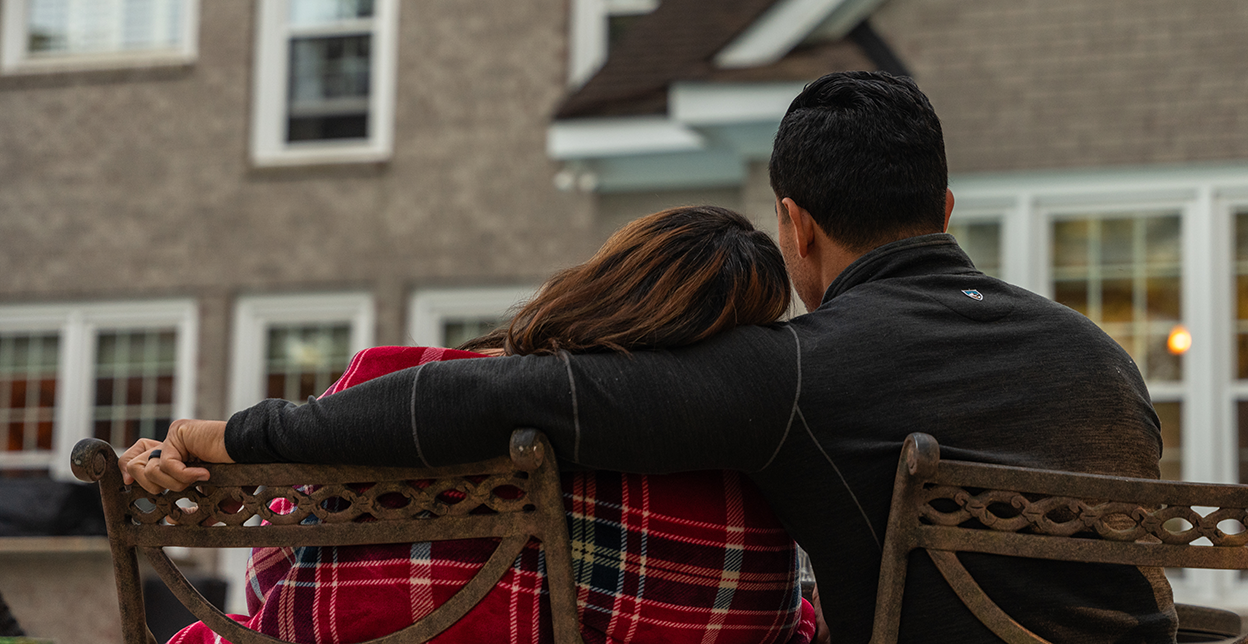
(664, 280)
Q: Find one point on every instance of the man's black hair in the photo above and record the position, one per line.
(863, 152)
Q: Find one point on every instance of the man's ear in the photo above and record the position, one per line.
(948, 208)
(803, 226)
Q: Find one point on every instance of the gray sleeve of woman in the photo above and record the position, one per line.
(725, 403)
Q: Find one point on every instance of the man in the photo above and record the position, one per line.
(903, 335)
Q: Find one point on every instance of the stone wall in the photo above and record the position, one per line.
(1033, 84)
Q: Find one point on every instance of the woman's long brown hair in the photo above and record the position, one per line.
(664, 280)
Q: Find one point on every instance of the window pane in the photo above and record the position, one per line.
(305, 13)
(59, 27)
(1073, 294)
(304, 360)
(1162, 238)
(1171, 416)
(982, 242)
(1070, 243)
(1117, 244)
(1241, 409)
(458, 331)
(134, 384)
(28, 370)
(1124, 274)
(1117, 300)
(329, 88)
(1241, 292)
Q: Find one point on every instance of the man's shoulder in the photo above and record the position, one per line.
(928, 314)
(972, 295)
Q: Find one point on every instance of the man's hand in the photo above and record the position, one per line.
(188, 440)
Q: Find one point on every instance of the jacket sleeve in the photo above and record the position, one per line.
(726, 403)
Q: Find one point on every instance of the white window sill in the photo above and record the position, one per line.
(320, 154)
(100, 62)
(29, 459)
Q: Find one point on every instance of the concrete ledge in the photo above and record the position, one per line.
(53, 544)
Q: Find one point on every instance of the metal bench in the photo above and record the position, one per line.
(1130, 515)
(213, 515)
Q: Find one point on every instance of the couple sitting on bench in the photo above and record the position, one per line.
(657, 557)
(902, 335)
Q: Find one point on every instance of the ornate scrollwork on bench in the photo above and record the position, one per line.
(947, 507)
(207, 505)
(1114, 521)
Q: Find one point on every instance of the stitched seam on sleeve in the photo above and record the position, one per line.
(797, 395)
(843, 481)
(412, 411)
(576, 412)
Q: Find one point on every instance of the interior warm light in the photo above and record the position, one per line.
(1179, 341)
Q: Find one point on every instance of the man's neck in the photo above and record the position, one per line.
(836, 258)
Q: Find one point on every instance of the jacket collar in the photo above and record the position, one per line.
(922, 255)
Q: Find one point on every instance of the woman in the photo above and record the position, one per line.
(653, 555)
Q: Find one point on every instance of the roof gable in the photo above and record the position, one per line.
(724, 40)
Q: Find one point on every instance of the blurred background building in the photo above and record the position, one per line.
(207, 202)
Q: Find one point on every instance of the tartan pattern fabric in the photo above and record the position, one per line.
(692, 558)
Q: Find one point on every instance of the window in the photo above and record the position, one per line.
(1123, 272)
(596, 25)
(449, 317)
(44, 35)
(117, 372)
(1240, 336)
(28, 370)
(296, 346)
(135, 372)
(324, 81)
(1241, 293)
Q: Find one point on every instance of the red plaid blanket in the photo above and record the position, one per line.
(693, 557)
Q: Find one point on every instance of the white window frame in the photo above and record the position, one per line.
(1205, 198)
(79, 326)
(254, 314)
(431, 308)
(271, 86)
(590, 30)
(15, 59)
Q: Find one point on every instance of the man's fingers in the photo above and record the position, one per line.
(141, 448)
(159, 466)
(165, 473)
(180, 471)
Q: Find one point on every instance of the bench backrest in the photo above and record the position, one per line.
(509, 498)
(945, 507)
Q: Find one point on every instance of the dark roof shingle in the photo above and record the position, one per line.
(678, 42)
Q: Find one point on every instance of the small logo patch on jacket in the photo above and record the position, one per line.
(973, 294)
